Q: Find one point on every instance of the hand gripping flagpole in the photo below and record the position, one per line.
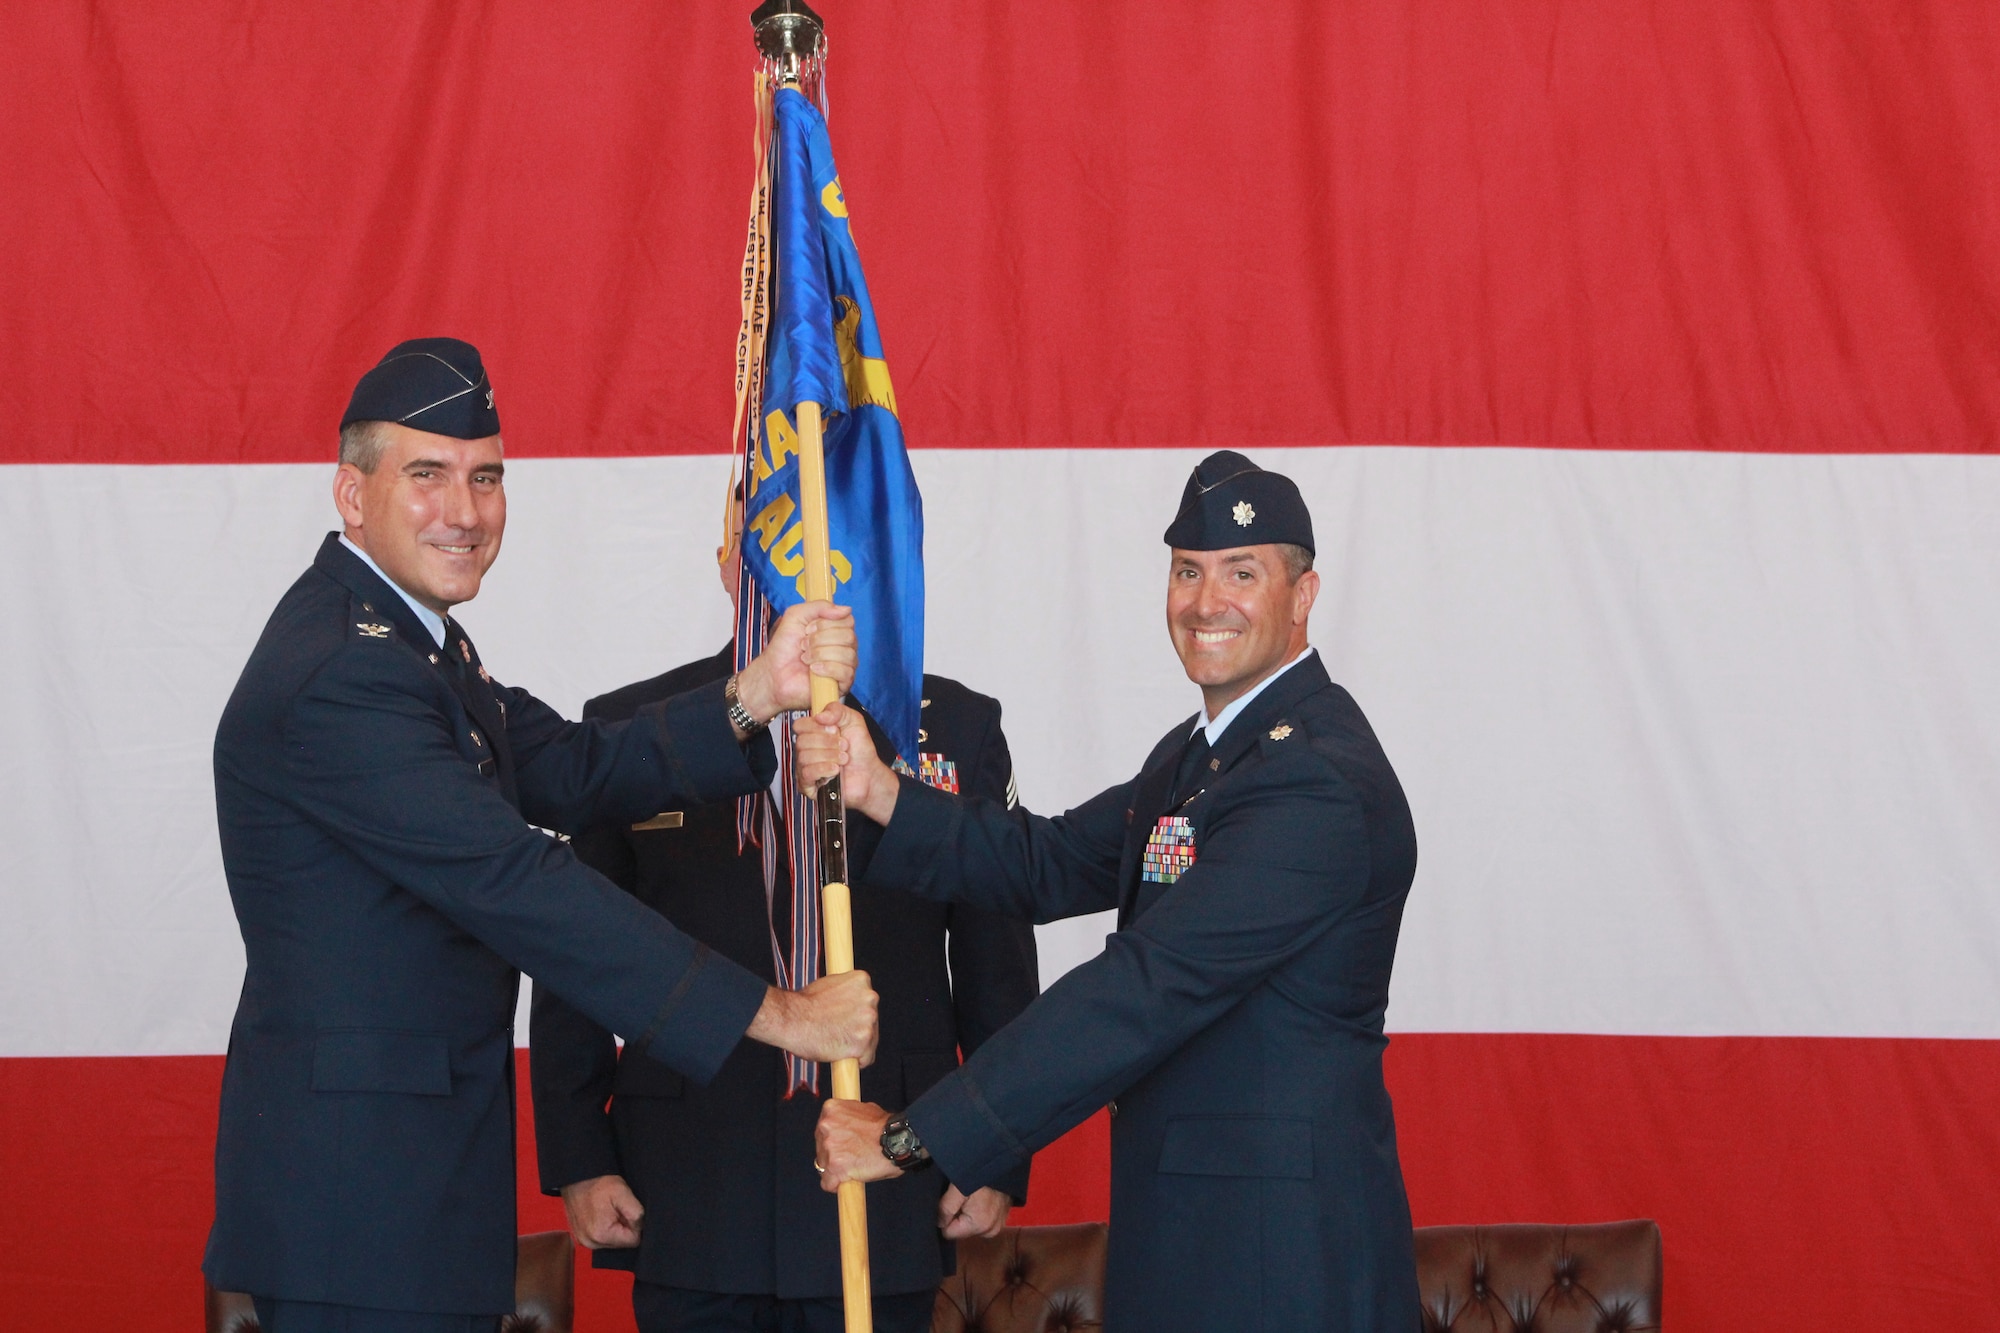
(790, 35)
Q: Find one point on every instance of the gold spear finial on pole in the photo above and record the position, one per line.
(792, 39)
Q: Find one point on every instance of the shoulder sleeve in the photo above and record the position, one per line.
(978, 852)
(993, 767)
(369, 758)
(679, 751)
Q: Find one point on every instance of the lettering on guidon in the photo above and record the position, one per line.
(933, 770)
(1169, 850)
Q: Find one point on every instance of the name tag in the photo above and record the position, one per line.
(1169, 850)
(665, 819)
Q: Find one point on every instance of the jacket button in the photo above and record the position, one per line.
(1112, 1106)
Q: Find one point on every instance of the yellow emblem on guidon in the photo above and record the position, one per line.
(832, 200)
(867, 376)
(1244, 513)
(1282, 730)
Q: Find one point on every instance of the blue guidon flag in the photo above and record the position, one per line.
(825, 348)
(809, 335)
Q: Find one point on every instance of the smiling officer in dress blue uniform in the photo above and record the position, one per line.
(375, 789)
(1259, 864)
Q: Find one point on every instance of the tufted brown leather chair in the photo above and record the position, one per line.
(1028, 1280)
(1540, 1279)
(544, 1292)
(1502, 1279)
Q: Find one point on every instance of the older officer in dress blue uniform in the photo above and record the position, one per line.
(375, 789)
(1259, 864)
(714, 1186)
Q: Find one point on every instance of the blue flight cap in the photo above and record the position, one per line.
(1231, 502)
(432, 384)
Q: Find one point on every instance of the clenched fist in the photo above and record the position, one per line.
(811, 639)
(833, 1019)
(848, 1144)
(603, 1213)
(836, 740)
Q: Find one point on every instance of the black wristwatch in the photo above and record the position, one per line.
(901, 1145)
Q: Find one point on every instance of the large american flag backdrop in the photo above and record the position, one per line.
(1641, 365)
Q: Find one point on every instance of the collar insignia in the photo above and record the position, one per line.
(1282, 730)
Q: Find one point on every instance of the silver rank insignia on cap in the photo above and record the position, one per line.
(1282, 730)
(1244, 513)
(370, 629)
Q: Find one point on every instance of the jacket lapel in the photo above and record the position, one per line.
(460, 676)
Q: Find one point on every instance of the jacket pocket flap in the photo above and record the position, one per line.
(382, 1060)
(642, 1076)
(1238, 1145)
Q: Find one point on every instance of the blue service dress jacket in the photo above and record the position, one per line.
(726, 1171)
(1235, 1016)
(375, 796)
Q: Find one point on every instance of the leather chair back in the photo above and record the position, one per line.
(1500, 1279)
(1541, 1279)
(544, 1292)
(1028, 1280)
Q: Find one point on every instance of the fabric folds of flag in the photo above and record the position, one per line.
(825, 348)
(809, 335)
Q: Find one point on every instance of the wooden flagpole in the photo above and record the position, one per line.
(791, 37)
(836, 914)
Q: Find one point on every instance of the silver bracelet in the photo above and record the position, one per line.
(739, 716)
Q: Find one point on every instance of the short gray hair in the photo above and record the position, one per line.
(362, 443)
(1297, 558)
